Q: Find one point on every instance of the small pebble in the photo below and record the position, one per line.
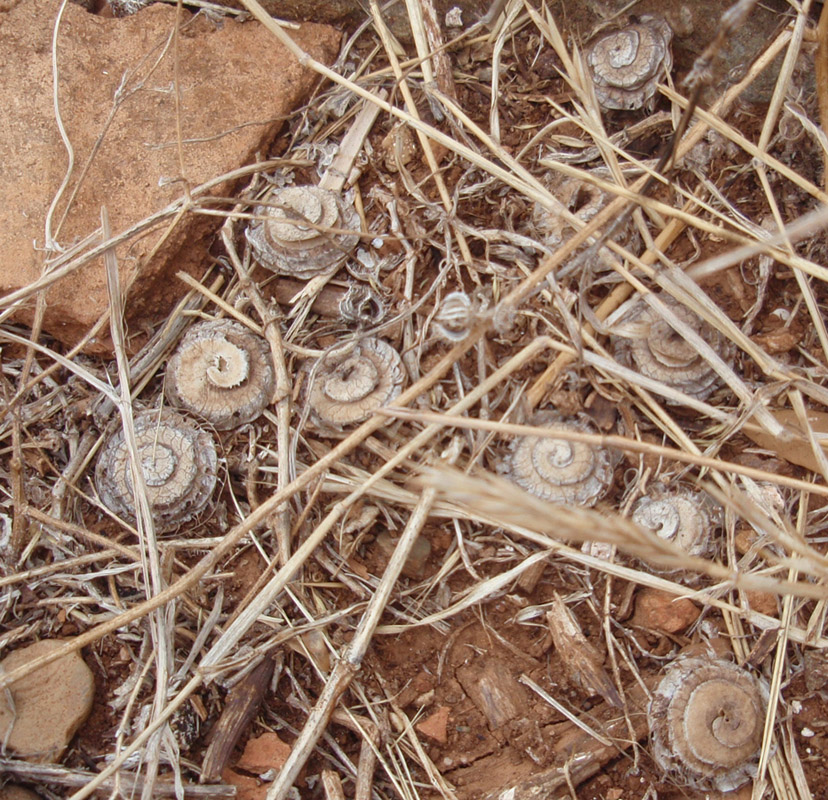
(661, 611)
(434, 725)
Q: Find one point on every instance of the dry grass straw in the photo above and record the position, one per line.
(285, 607)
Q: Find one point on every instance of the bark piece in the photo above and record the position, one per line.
(242, 705)
(494, 690)
(583, 664)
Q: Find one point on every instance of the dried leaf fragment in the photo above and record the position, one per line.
(798, 448)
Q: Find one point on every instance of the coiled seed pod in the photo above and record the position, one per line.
(294, 237)
(179, 463)
(559, 470)
(680, 515)
(706, 721)
(626, 63)
(222, 372)
(348, 388)
(647, 342)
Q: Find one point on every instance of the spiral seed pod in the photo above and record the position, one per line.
(348, 388)
(649, 344)
(362, 305)
(455, 317)
(627, 63)
(581, 198)
(559, 470)
(221, 372)
(706, 720)
(179, 463)
(294, 237)
(682, 516)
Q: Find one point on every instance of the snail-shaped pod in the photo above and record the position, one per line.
(348, 388)
(647, 343)
(680, 515)
(559, 470)
(455, 317)
(362, 305)
(221, 372)
(626, 63)
(580, 197)
(706, 721)
(179, 463)
(293, 235)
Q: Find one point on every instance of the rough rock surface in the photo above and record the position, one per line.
(237, 84)
(661, 611)
(49, 704)
(264, 752)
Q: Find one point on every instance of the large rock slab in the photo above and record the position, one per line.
(237, 85)
(48, 705)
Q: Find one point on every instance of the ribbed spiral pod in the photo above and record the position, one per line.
(706, 722)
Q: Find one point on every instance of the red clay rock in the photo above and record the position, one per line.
(661, 611)
(264, 752)
(237, 84)
(247, 788)
(434, 725)
(763, 602)
(49, 704)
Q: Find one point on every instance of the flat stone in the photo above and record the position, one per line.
(237, 85)
(263, 753)
(435, 724)
(48, 705)
(660, 611)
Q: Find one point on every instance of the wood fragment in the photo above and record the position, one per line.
(338, 174)
(578, 756)
(242, 704)
(494, 690)
(821, 67)
(332, 785)
(582, 662)
(125, 782)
